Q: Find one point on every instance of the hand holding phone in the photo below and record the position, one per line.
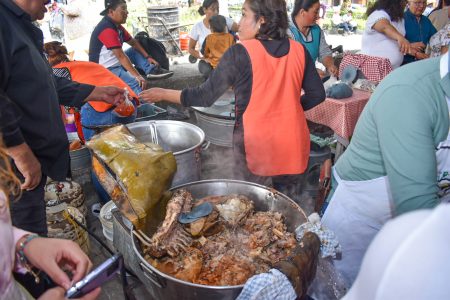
(96, 278)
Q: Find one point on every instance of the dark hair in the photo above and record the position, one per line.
(394, 8)
(275, 18)
(218, 23)
(56, 52)
(205, 5)
(302, 4)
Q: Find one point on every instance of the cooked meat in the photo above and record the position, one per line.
(233, 243)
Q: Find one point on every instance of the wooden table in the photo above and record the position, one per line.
(340, 115)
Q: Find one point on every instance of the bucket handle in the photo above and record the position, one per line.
(205, 145)
(152, 276)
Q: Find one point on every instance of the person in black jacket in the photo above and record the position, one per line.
(267, 72)
(30, 119)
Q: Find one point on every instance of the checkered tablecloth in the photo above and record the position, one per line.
(374, 68)
(340, 115)
(272, 285)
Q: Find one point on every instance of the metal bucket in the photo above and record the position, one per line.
(80, 162)
(218, 120)
(159, 30)
(183, 139)
(218, 131)
(162, 286)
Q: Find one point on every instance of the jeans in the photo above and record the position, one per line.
(139, 61)
(120, 72)
(91, 117)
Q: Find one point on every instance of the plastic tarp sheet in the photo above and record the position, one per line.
(134, 174)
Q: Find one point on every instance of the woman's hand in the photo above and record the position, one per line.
(54, 255)
(333, 70)
(57, 293)
(159, 94)
(403, 45)
(418, 46)
(420, 55)
(152, 95)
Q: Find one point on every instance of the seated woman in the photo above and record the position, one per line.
(201, 30)
(93, 113)
(419, 30)
(439, 41)
(384, 35)
(267, 72)
(303, 29)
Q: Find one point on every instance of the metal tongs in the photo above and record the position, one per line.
(142, 237)
(154, 133)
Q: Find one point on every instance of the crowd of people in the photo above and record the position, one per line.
(387, 186)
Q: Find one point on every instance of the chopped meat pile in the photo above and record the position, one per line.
(226, 247)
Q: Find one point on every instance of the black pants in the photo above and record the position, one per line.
(28, 212)
(290, 185)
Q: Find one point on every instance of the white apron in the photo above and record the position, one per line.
(363, 207)
(352, 209)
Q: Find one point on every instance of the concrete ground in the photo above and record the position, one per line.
(185, 75)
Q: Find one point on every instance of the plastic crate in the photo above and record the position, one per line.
(149, 111)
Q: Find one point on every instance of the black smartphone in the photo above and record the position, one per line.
(96, 278)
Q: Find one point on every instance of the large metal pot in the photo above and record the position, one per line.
(183, 139)
(163, 286)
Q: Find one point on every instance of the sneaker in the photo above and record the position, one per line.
(159, 73)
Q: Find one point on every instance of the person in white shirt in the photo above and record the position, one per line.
(201, 30)
(384, 35)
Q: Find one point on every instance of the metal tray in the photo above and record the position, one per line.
(149, 111)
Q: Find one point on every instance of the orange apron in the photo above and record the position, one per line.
(94, 74)
(276, 136)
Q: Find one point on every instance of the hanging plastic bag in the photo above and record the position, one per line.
(134, 174)
(126, 108)
(57, 20)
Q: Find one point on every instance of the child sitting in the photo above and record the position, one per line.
(215, 45)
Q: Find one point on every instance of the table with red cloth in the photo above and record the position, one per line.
(340, 115)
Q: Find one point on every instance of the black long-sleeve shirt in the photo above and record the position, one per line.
(235, 70)
(30, 95)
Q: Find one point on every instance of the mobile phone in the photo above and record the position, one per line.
(97, 277)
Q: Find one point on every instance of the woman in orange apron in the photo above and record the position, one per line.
(267, 72)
